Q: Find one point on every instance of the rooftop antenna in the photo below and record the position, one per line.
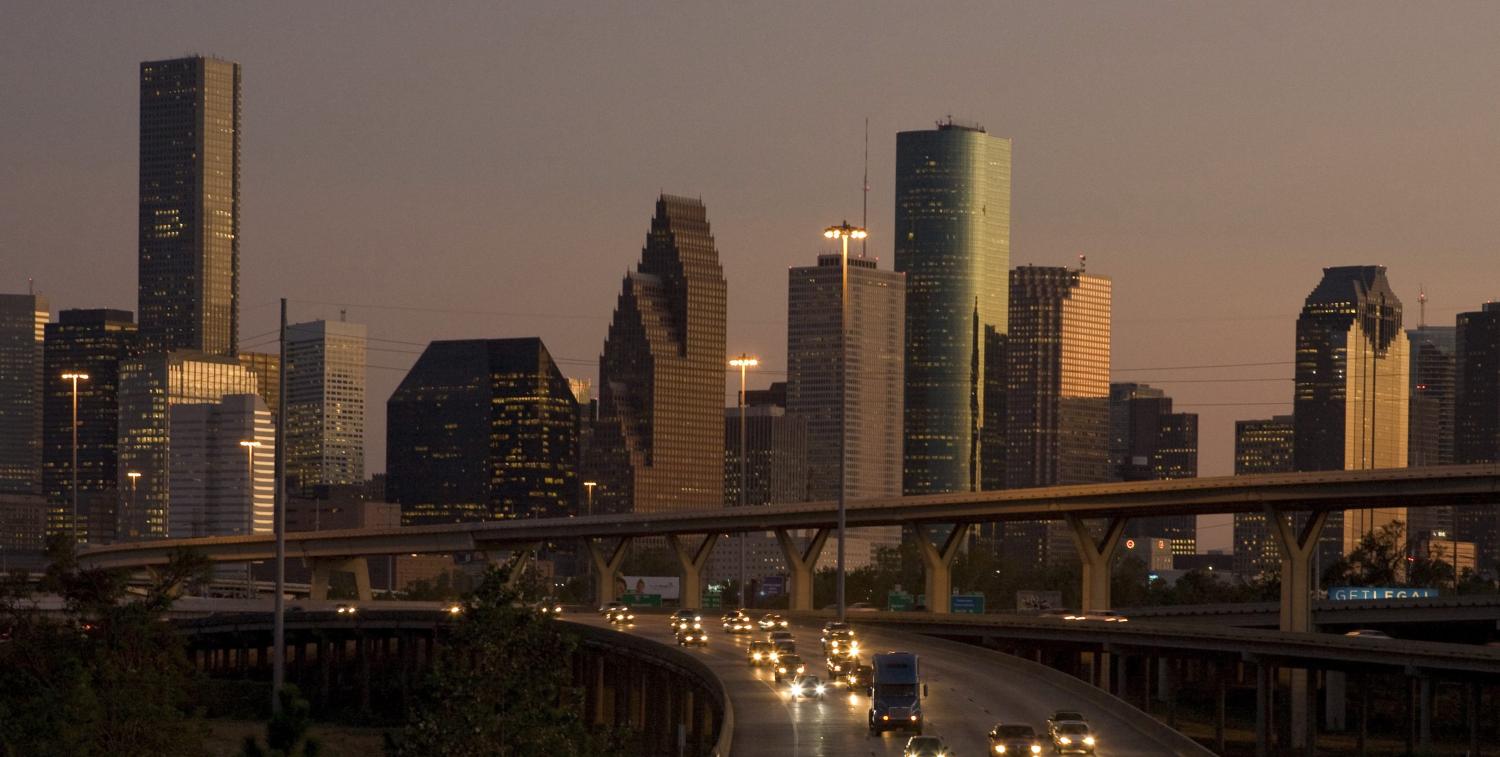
(1083, 261)
(30, 285)
(864, 214)
(1421, 306)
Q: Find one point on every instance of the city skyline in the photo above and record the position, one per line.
(1261, 226)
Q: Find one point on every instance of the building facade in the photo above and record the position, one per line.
(151, 385)
(658, 443)
(1057, 398)
(776, 460)
(1350, 401)
(93, 342)
(221, 464)
(482, 429)
(1477, 424)
(325, 403)
(953, 243)
(189, 219)
(1260, 446)
(23, 319)
(267, 369)
(1149, 442)
(1429, 425)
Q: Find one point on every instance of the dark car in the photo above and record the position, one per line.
(1072, 737)
(1014, 739)
(759, 653)
(691, 636)
(789, 666)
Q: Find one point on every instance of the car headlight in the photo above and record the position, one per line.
(1036, 748)
(1088, 740)
(756, 656)
(801, 669)
(914, 718)
(781, 669)
(885, 717)
(820, 689)
(1065, 740)
(798, 691)
(999, 749)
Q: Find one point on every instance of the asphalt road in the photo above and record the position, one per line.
(967, 696)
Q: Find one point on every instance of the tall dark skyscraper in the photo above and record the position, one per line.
(1477, 426)
(1260, 446)
(1057, 399)
(482, 429)
(1149, 442)
(1429, 426)
(22, 320)
(953, 243)
(658, 444)
(189, 241)
(1350, 397)
(94, 342)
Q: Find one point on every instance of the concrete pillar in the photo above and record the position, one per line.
(606, 568)
(1221, 682)
(521, 558)
(1310, 722)
(323, 569)
(691, 563)
(1424, 711)
(937, 564)
(1364, 717)
(1263, 702)
(1474, 713)
(800, 563)
(1298, 585)
(1335, 704)
(1096, 559)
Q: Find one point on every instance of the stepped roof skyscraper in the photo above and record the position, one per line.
(659, 442)
(953, 243)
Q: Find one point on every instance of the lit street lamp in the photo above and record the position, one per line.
(75, 377)
(843, 232)
(135, 477)
(589, 486)
(743, 362)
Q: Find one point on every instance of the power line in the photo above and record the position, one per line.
(1206, 366)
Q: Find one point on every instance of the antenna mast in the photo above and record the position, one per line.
(864, 214)
(1421, 306)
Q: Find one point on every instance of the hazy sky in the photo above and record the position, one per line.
(488, 170)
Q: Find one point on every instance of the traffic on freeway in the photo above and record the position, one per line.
(930, 697)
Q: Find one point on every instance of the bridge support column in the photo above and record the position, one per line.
(323, 569)
(1096, 559)
(521, 558)
(606, 568)
(1424, 711)
(937, 564)
(691, 563)
(1264, 693)
(1335, 696)
(1474, 713)
(800, 563)
(1297, 587)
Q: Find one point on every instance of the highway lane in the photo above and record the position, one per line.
(968, 693)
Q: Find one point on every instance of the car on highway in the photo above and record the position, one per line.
(838, 665)
(841, 643)
(1073, 737)
(788, 667)
(925, 746)
(771, 621)
(779, 648)
(863, 607)
(346, 609)
(776, 637)
(834, 625)
(692, 637)
(1013, 739)
(1064, 716)
(858, 677)
(686, 618)
(621, 617)
(548, 606)
(808, 687)
(737, 622)
(1368, 633)
(759, 653)
(608, 608)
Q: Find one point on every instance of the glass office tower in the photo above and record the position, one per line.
(23, 317)
(1260, 446)
(189, 215)
(325, 403)
(953, 243)
(1477, 425)
(1351, 390)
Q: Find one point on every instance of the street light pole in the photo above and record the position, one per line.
(743, 362)
(75, 377)
(843, 232)
(278, 520)
(134, 476)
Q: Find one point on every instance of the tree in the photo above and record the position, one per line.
(108, 677)
(500, 685)
(286, 733)
(1378, 560)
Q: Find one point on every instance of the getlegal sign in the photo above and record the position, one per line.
(1346, 593)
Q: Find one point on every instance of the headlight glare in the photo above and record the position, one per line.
(1089, 740)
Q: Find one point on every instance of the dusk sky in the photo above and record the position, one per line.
(489, 170)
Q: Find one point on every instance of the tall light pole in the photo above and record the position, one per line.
(843, 232)
(589, 488)
(75, 377)
(134, 476)
(744, 363)
(278, 524)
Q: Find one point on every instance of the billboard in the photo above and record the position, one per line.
(664, 586)
(1346, 593)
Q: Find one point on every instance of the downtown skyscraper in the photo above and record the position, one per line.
(23, 319)
(952, 240)
(1149, 442)
(325, 403)
(482, 429)
(1351, 390)
(189, 214)
(1477, 424)
(93, 342)
(849, 391)
(1263, 445)
(1430, 419)
(1057, 400)
(658, 443)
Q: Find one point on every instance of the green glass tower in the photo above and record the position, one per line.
(952, 241)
